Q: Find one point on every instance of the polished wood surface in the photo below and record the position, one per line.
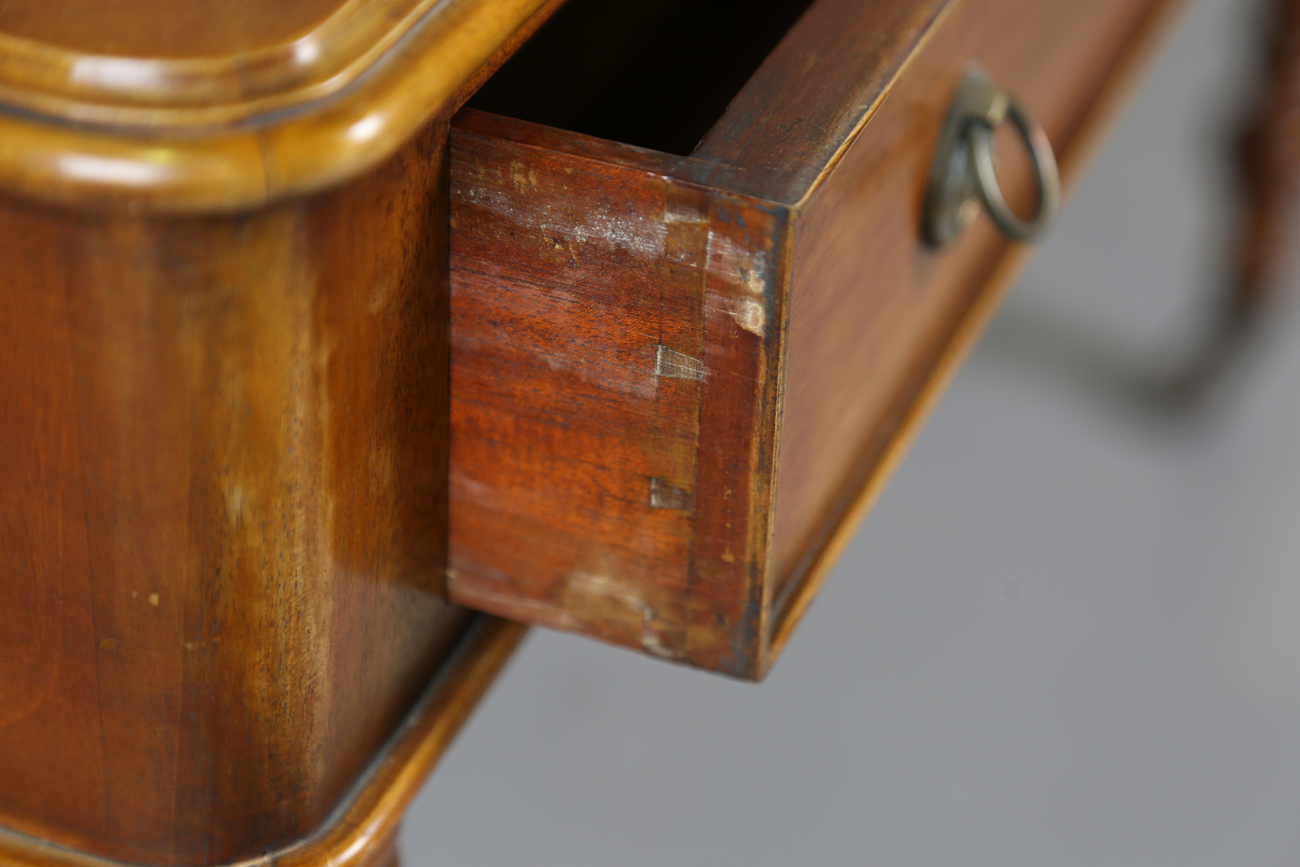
(674, 376)
(364, 831)
(101, 60)
(225, 511)
(225, 435)
(196, 107)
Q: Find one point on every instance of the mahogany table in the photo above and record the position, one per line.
(308, 375)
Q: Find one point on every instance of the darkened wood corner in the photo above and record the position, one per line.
(224, 424)
(678, 379)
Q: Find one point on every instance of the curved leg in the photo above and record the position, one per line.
(1269, 155)
(1268, 162)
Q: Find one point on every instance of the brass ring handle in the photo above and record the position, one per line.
(980, 139)
(964, 173)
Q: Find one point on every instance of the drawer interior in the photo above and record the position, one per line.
(655, 74)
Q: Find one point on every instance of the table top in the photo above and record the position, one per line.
(196, 105)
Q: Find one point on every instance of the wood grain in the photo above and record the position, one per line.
(224, 520)
(592, 458)
(224, 434)
(364, 830)
(568, 437)
(194, 107)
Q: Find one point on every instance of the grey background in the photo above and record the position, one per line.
(1067, 635)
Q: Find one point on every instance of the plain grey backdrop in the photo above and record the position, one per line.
(1069, 634)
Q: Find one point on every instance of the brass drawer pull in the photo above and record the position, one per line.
(964, 173)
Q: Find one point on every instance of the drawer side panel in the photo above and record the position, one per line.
(612, 333)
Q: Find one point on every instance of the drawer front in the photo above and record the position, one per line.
(675, 380)
(877, 318)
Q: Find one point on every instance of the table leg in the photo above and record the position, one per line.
(1269, 157)
(1268, 165)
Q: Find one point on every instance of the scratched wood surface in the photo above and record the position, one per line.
(606, 433)
(675, 376)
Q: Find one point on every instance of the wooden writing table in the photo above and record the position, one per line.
(292, 356)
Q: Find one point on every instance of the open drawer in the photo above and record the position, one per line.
(680, 374)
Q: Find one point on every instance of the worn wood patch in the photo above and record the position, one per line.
(603, 317)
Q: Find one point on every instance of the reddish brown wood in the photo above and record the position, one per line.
(780, 264)
(223, 525)
(363, 830)
(593, 455)
(224, 435)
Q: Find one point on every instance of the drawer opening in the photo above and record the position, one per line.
(692, 322)
(656, 74)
